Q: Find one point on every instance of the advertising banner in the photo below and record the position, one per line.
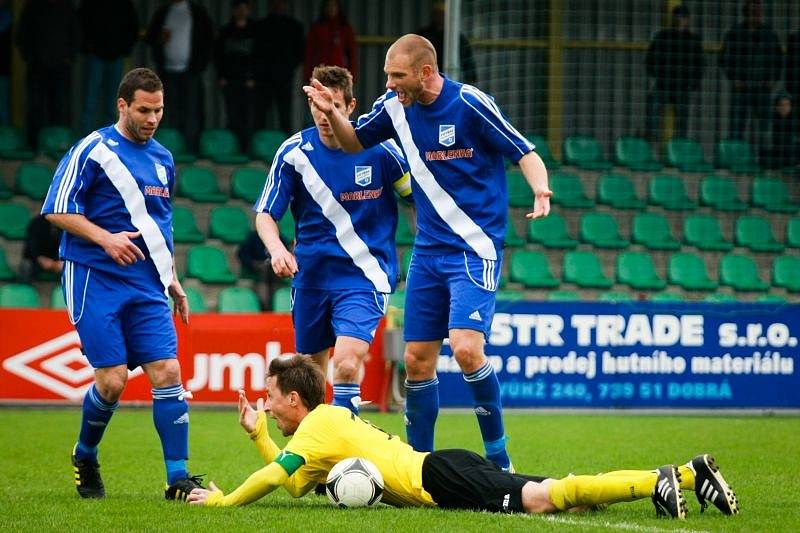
(638, 355)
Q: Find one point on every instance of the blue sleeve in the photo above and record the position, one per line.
(277, 193)
(398, 173)
(74, 175)
(375, 126)
(494, 126)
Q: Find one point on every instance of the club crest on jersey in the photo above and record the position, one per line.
(161, 172)
(447, 134)
(363, 175)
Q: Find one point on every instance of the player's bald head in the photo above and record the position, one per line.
(416, 49)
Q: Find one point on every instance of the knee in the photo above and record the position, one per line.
(346, 368)
(536, 497)
(419, 365)
(468, 355)
(165, 373)
(111, 385)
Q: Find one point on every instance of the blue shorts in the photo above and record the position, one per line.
(453, 291)
(320, 315)
(118, 323)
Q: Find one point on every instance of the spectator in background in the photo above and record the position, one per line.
(280, 46)
(434, 32)
(109, 29)
(331, 41)
(793, 65)
(48, 36)
(257, 263)
(675, 63)
(181, 36)
(752, 59)
(783, 151)
(5, 59)
(40, 253)
(233, 57)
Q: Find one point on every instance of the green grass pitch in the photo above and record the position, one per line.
(760, 456)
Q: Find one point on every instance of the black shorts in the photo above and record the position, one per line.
(460, 479)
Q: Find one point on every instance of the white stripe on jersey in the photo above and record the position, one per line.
(348, 239)
(492, 107)
(70, 173)
(444, 204)
(262, 200)
(119, 175)
(391, 147)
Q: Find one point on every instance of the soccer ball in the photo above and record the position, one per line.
(354, 482)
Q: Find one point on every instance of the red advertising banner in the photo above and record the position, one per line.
(41, 359)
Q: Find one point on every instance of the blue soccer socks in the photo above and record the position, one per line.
(171, 418)
(345, 393)
(422, 408)
(96, 414)
(488, 408)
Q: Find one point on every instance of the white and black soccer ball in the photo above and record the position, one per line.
(354, 482)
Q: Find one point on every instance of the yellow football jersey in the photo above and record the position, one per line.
(329, 434)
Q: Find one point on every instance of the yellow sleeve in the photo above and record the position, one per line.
(402, 186)
(299, 485)
(260, 436)
(258, 485)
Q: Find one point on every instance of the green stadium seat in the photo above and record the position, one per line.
(199, 184)
(519, 192)
(602, 231)
(670, 193)
(209, 265)
(19, 295)
(687, 155)
(282, 300)
(229, 224)
(264, 144)
(771, 299)
(33, 180)
(652, 231)
(721, 194)
(404, 236)
(636, 154)
(568, 191)
(550, 232)
(398, 299)
(15, 218)
(173, 141)
(786, 272)
(6, 274)
(238, 300)
(247, 183)
(513, 240)
(637, 270)
(286, 227)
(220, 145)
(737, 156)
(667, 297)
(543, 150)
(532, 270)
(616, 296)
(509, 296)
(617, 191)
(57, 298)
(792, 233)
(772, 195)
(54, 141)
(407, 255)
(756, 233)
(13, 145)
(584, 152)
(197, 303)
(741, 273)
(584, 270)
(5, 192)
(688, 271)
(563, 296)
(184, 226)
(721, 298)
(704, 232)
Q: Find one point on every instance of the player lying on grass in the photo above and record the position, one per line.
(323, 435)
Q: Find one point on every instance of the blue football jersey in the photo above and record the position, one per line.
(344, 209)
(118, 185)
(455, 147)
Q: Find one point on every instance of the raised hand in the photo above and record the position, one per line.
(248, 417)
(320, 96)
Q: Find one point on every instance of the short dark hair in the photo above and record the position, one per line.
(301, 374)
(138, 79)
(335, 78)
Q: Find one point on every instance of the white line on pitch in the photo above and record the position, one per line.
(627, 526)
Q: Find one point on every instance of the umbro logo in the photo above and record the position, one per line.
(183, 419)
(307, 147)
(475, 315)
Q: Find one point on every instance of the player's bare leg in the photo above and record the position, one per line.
(348, 358)
(422, 393)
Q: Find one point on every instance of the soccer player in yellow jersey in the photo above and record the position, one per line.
(323, 435)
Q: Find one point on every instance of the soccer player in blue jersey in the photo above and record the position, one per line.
(344, 264)
(454, 138)
(111, 196)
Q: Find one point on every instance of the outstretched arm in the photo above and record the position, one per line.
(535, 174)
(321, 97)
(258, 485)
